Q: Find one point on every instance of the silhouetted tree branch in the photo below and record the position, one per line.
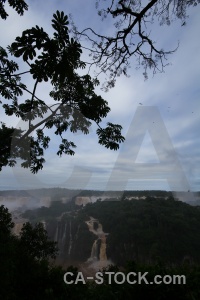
(133, 41)
(76, 104)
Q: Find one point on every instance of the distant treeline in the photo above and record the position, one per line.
(57, 193)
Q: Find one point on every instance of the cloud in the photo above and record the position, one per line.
(175, 93)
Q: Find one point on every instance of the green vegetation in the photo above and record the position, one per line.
(140, 230)
(47, 213)
(76, 105)
(26, 271)
(145, 230)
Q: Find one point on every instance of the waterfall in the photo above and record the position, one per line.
(44, 224)
(56, 234)
(76, 235)
(102, 255)
(64, 234)
(70, 238)
(94, 251)
(17, 228)
(100, 228)
(101, 236)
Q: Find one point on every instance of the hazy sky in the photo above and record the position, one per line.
(162, 144)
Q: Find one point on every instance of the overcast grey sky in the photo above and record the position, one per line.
(162, 144)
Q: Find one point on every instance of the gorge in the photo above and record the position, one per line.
(96, 234)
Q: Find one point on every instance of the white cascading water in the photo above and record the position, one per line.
(94, 251)
(70, 238)
(64, 234)
(101, 236)
(56, 235)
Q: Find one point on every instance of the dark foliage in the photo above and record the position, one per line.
(55, 59)
(26, 274)
(19, 5)
(133, 41)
